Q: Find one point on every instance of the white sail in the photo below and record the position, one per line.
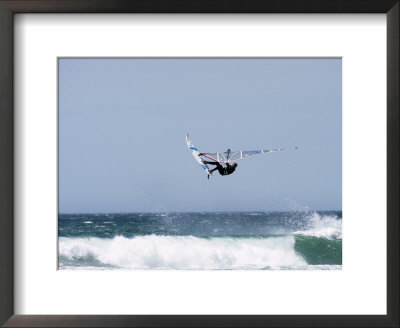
(234, 156)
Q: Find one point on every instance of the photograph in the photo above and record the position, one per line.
(199, 163)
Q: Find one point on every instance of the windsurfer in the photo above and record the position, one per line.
(229, 169)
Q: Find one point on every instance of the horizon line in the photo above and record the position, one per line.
(164, 212)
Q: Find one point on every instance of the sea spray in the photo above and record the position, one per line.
(327, 226)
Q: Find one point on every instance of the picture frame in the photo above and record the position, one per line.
(7, 10)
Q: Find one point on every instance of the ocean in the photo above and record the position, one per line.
(310, 240)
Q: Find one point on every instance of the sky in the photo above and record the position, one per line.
(122, 126)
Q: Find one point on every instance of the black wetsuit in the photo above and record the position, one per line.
(222, 170)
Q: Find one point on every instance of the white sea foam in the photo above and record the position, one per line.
(184, 252)
(322, 226)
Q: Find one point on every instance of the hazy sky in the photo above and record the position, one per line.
(122, 125)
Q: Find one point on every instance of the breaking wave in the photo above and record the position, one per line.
(181, 252)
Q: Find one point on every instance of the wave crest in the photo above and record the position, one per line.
(181, 252)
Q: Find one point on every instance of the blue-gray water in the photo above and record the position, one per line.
(225, 241)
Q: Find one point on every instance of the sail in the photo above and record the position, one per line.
(234, 156)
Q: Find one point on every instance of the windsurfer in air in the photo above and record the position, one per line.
(220, 158)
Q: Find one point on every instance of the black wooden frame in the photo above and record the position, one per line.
(7, 10)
